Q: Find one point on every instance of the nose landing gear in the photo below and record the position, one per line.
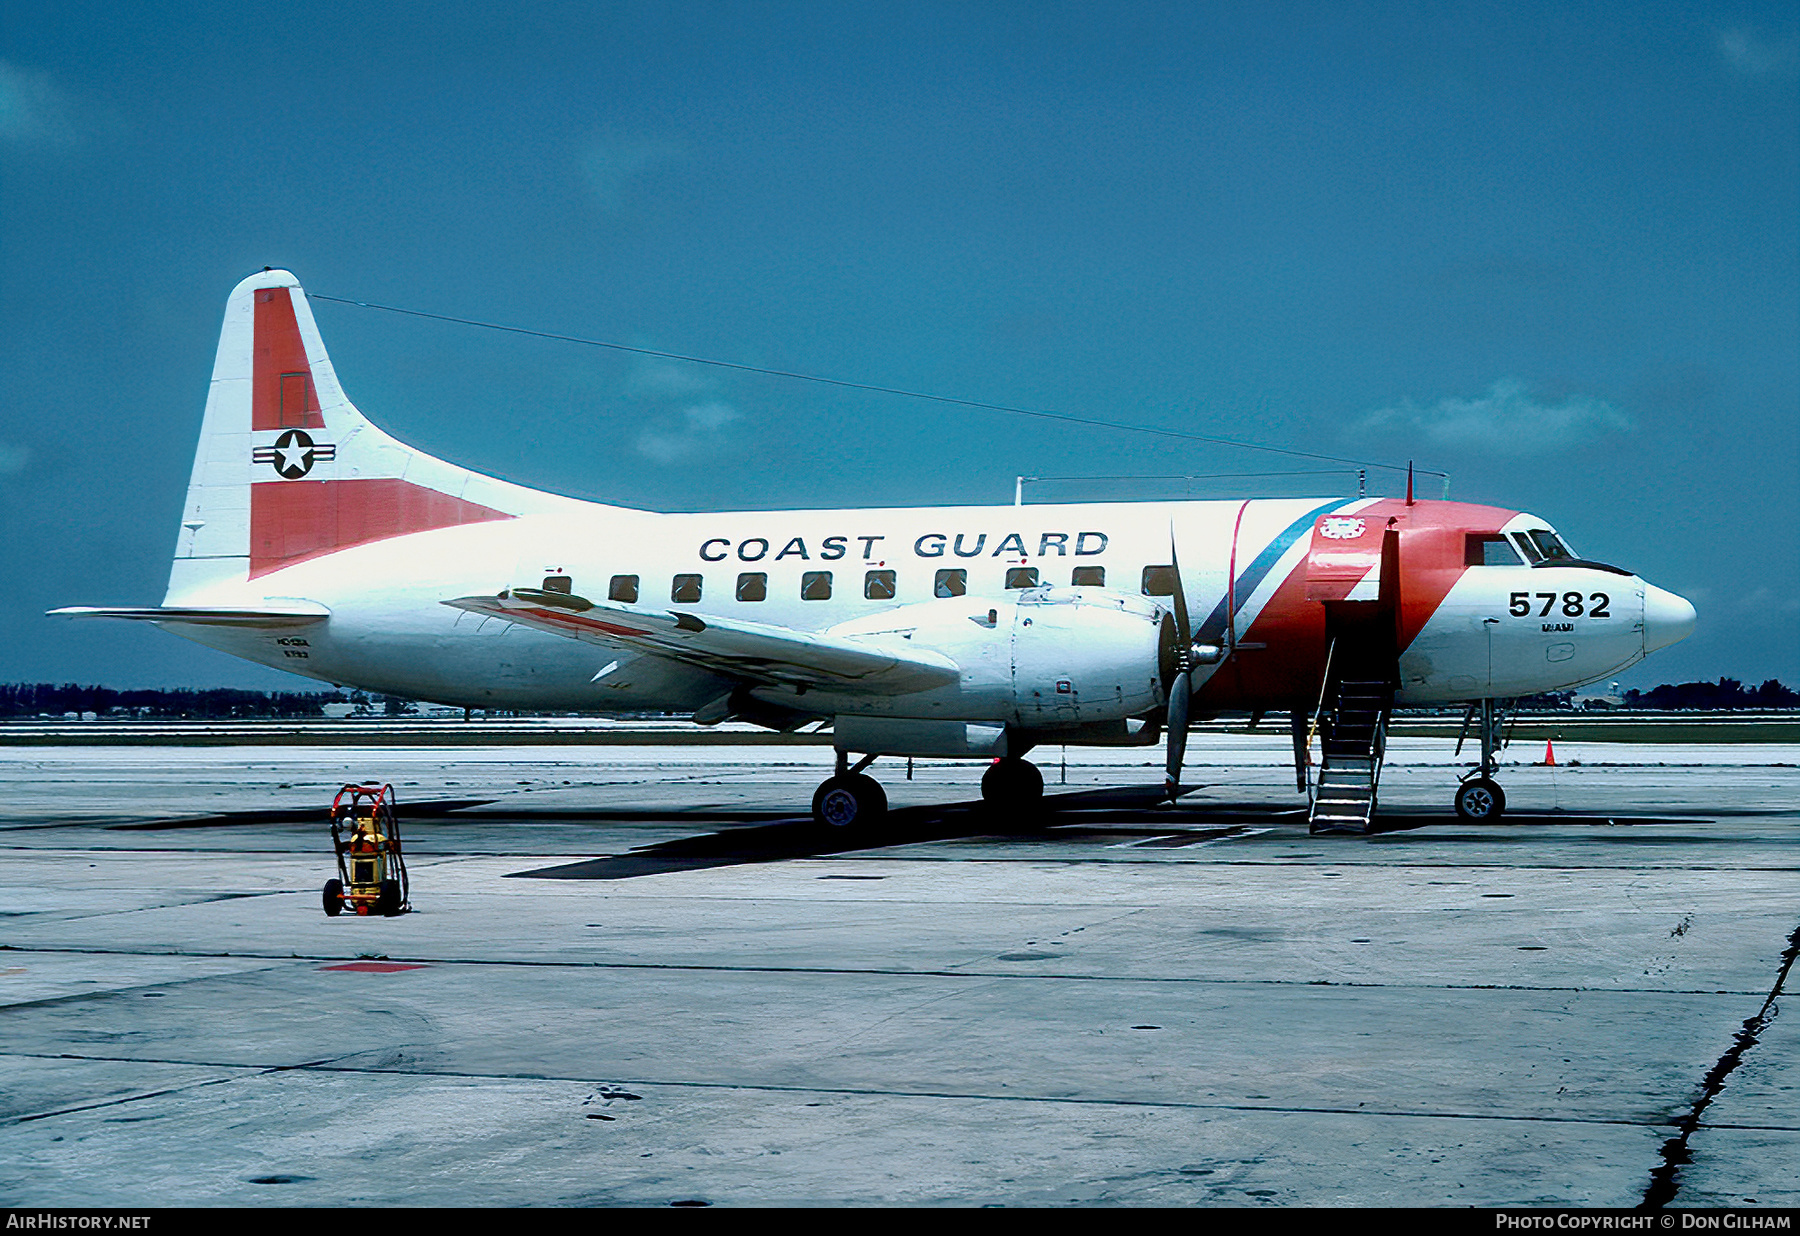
(1479, 799)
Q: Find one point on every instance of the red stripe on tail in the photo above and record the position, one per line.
(292, 521)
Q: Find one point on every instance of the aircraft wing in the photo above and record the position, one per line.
(753, 651)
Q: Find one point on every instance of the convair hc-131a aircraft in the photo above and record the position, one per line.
(314, 542)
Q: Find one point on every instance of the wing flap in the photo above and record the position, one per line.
(753, 651)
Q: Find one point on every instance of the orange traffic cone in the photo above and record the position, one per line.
(1549, 754)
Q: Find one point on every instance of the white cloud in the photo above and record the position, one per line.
(33, 110)
(1507, 420)
(1758, 57)
(691, 431)
(662, 379)
(610, 167)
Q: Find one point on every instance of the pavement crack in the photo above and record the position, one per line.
(1664, 1180)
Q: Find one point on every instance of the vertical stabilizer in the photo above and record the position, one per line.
(288, 470)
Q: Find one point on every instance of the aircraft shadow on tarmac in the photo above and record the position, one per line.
(1105, 817)
(1138, 817)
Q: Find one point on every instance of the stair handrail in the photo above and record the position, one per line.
(1377, 757)
(1324, 687)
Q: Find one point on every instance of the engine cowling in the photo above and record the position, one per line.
(1040, 658)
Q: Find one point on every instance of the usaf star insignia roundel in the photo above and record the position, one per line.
(293, 454)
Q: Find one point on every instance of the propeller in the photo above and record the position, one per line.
(1181, 681)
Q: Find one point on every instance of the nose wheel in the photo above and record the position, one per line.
(1479, 799)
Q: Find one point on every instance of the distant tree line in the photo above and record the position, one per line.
(1727, 693)
(1724, 695)
(38, 699)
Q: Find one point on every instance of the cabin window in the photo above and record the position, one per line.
(951, 583)
(753, 586)
(1159, 581)
(1088, 577)
(623, 588)
(815, 586)
(879, 585)
(1021, 577)
(559, 583)
(685, 590)
(1489, 549)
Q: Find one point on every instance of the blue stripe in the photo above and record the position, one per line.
(1213, 629)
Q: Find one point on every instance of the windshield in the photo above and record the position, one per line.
(1543, 545)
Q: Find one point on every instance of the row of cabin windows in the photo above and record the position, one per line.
(1158, 581)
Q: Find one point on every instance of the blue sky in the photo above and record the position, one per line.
(1549, 249)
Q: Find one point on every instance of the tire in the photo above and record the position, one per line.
(1013, 784)
(1480, 801)
(389, 902)
(856, 801)
(334, 897)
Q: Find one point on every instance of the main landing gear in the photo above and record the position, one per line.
(851, 799)
(1012, 784)
(1479, 798)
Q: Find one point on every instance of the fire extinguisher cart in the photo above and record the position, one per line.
(365, 833)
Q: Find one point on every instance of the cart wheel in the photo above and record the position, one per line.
(334, 897)
(389, 902)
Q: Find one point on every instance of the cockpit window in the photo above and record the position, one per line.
(1527, 548)
(1489, 549)
(1550, 547)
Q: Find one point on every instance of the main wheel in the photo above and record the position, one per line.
(854, 801)
(1480, 800)
(389, 902)
(334, 897)
(1012, 784)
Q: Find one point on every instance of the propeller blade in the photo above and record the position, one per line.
(1180, 693)
(1181, 684)
(1182, 629)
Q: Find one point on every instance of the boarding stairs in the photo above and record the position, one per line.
(1350, 772)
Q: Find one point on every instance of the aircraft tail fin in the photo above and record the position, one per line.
(289, 470)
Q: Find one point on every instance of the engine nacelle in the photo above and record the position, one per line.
(1040, 658)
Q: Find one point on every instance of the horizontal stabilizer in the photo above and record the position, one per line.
(752, 651)
(284, 614)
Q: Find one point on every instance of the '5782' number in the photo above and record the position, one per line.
(1573, 604)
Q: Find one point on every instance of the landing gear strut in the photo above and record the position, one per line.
(1479, 798)
(850, 798)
